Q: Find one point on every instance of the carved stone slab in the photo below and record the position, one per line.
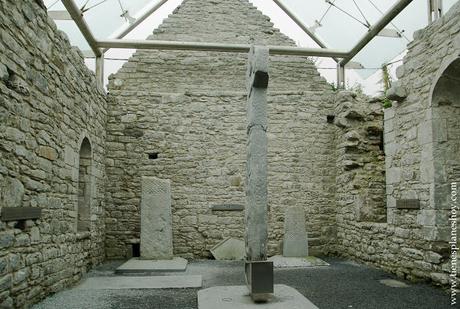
(156, 219)
(295, 236)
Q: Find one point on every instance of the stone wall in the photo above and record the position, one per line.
(48, 104)
(200, 139)
(190, 107)
(420, 139)
(421, 134)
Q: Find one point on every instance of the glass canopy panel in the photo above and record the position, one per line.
(104, 17)
(340, 24)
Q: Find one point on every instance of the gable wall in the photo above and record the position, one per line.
(190, 107)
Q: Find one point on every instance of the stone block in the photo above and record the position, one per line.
(128, 118)
(141, 282)
(229, 249)
(156, 219)
(397, 92)
(295, 242)
(393, 175)
(427, 217)
(388, 113)
(4, 75)
(400, 71)
(47, 152)
(439, 130)
(425, 133)
(11, 192)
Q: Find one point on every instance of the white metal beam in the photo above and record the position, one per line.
(77, 16)
(376, 28)
(218, 47)
(149, 11)
(435, 10)
(100, 71)
(300, 24)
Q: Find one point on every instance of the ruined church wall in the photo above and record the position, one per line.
(190, 108)
(48, 103)
(413, 243)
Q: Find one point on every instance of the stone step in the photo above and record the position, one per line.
(141, 282)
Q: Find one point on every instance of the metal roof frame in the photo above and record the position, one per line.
(99, 47)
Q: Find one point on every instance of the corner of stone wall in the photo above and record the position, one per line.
(360, 158)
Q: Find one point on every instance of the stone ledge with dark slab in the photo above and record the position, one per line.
(227, 207)
(20, 213)
(408, 204)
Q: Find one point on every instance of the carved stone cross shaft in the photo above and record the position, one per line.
(259, 272)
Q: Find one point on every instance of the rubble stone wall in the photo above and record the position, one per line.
(421, 136)
(190, 108)
(48, 104)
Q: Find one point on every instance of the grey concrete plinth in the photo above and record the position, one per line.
(143, 282)
(136, 265)
(237, 297)
(286, 262)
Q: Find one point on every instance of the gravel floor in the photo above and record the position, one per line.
(343, 284)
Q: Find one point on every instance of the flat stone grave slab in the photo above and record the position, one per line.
(229, 249)
(308, 261)
(156, 219)
(295, 242)
(143, 282)
(237, 297)
(136, 265)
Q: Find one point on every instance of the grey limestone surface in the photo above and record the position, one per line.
(156, 219)
(343, 284)
(295, 241)
(280, 261)
(256, 211)
(136, 265)
(237, 297)
(141, 282)
(229, 249)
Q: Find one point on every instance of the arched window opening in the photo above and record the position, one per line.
(445, 103)
(84, 187)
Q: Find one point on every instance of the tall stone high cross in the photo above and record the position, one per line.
(259, 272)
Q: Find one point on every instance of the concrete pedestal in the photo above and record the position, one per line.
(237, 297)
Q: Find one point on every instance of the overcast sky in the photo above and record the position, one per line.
(338, 29)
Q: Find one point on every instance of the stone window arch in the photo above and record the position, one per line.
(84, 186)
(445, 105)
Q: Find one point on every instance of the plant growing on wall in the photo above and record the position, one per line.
(386, 82)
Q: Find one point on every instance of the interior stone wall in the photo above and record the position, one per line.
(48, 103)
(421, 158)
(190, 108)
